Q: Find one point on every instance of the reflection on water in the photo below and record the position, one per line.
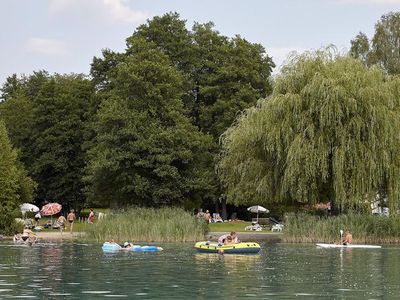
(70, 270)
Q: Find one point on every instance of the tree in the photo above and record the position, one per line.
(329, 131)
(233, 74)
(146, 151)
(47, 118)
(384, 47)
(221, 76)
(16, 186)
(360, 47)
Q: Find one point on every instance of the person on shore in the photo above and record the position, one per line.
(200, 214)
(91, 216)
(61, 222)
(207, 216)
(37, 218)
(348, 238)
(71, 219)
(48, 224)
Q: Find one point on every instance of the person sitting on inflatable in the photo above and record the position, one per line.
(228, 241)
(222, 238)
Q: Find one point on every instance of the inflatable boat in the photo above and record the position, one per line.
(240, 248)
(111, 247)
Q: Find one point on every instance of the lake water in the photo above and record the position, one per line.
(279, 271)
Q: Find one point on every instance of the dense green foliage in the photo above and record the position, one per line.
(148, 225)
(384, 47)
(46, 116)
(15, 186)
(145, 129)
(305, 228)
(221, 76)
(146, 150)
(329, 132)
(218, 77)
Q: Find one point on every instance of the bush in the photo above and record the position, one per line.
(365, 228)
(148, 225)
(8, 225)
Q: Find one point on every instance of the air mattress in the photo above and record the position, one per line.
(115, 247)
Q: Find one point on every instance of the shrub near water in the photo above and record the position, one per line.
(364, 228)
(148, 225)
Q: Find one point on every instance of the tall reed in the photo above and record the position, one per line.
(300, 228)
(148, 225)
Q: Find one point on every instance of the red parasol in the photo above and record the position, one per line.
(50, 209)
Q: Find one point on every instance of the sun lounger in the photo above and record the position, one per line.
(216, 218)
(277, 227)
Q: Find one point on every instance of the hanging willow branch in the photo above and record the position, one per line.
(330, 131)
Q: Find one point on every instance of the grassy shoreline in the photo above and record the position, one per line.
(148, 225)
(177, 225)
(366, 229)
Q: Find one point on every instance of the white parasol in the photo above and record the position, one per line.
(28, 207)
(257, 209)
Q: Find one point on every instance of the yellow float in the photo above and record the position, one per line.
(240, 248)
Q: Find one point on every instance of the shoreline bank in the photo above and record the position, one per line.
(210, 236)
(244, 236)
(248, 236)
(51, 236)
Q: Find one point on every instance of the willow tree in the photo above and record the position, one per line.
(329, 131)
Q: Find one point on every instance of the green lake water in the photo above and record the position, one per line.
(279, 271)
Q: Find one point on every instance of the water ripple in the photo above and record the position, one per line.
(279, 272)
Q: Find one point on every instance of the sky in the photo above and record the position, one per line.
(63, 36)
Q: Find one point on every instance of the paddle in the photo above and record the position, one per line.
(341, 236)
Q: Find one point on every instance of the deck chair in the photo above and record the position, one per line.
(216, 218)
(277, 227)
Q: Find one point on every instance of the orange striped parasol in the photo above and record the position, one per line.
(50, 209)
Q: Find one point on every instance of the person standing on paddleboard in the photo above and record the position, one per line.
(348, 238)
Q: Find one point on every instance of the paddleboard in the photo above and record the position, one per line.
(348, 246)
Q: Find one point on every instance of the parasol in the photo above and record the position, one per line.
(51, 209)
(27, 207)
(257, 209)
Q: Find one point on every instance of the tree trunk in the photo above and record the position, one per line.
(223, 204)
(217, 206)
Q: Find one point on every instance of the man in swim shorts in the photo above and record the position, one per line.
(71, 219)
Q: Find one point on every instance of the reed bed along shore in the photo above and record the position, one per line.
(305, 228)
(148, 225)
